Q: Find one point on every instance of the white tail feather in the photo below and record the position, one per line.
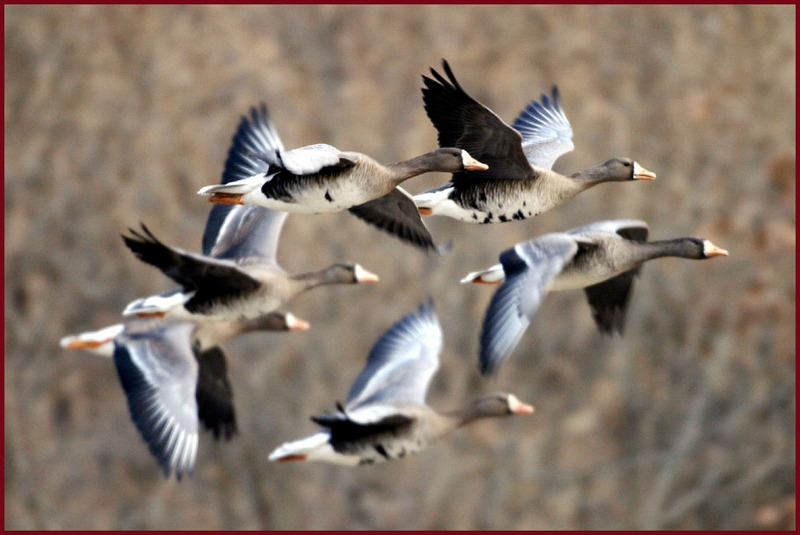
(245, 185)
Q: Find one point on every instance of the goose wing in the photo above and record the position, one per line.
(529, 267)
(214, 393)
(546, 132)
(158, 373)
(630, 229)
(246, 231)
(397, 214)
(609, 299)
(213, 279)
(308, 160)
(465, 123)
(249, 231)
(399, 367)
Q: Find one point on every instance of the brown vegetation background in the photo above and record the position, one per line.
(118, 114)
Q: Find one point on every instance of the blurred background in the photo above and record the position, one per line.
(118, 114)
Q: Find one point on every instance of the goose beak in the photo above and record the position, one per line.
(296, 324)
(471, 164)
(226, 198)
(709, 249)
(640, 173)
(362, 275)
(518, 407)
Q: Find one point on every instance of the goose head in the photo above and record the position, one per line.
(494, 406)
(279, 321)
(454, 160)
(349, 273)
(616, 170)
(697, 248)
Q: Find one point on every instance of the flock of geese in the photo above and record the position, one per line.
(167, 352)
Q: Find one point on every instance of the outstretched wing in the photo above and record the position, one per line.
(465, 123)
(546, 132)
(401, 363)
(630, 229)
(609, 300)
(305, 161)
(213, 279)
(397, 214)
(158, 373)
(246, 231)
(250, 231)
(529, 267)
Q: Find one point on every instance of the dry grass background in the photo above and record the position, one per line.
(118, 114)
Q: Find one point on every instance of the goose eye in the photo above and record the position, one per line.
(626, 164)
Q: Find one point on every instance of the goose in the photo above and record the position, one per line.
(101, 341)
(519, 182)
(386, 416)
(603, 258)
(174, 375)
(237, 276)
(321, 178)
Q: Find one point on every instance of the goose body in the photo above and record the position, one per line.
(321, 178)
(238, 275)
(603, 258)
(519, 182)
(174, 375)
(386, 416)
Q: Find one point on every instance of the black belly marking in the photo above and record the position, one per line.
(328, 196)
(380, 449)
(518, 215)
(474, 216)
(482, 197)
(503, 218)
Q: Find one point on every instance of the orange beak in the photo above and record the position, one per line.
(640, 173)
(471, 164)
(362, 275)
(518, 407)
(296, 324)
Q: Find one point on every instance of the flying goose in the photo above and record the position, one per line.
(174, 374)
(385, 416)
(101, 341)
(601, 257)
(321, 178)
(238, 274)
(519, 182)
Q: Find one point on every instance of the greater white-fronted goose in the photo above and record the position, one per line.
(385, 416)
(321, 178)
(101, 341)
(602, 257)
(238, 274)
(174, 374)
(519, 182)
